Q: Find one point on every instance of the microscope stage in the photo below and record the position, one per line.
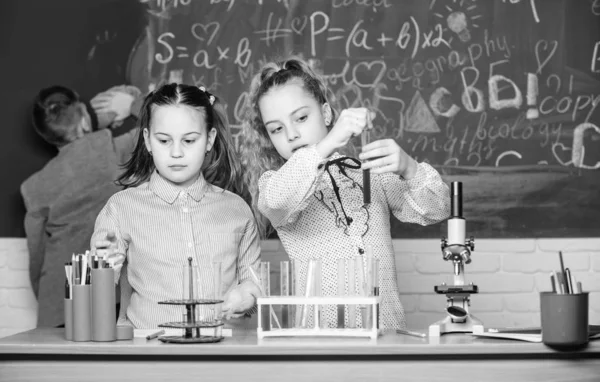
(444, 289)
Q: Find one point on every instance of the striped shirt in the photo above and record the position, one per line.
(316, 222)
(159, 226)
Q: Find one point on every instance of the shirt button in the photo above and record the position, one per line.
(190, 245)
(186, 210)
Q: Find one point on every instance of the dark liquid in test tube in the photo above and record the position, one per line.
(365, 139)
(366, 186)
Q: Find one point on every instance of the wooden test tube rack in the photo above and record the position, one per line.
(371, 302)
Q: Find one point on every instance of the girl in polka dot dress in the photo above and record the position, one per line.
(313, 196)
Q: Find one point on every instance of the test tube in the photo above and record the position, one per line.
(319, 310)
(265, 284)
(351, 290)
(297, 290)
(341, 291)
(285, 279)
(365, 139)
(312, 288)
(371, 286)
(217, 288)
(361, 285)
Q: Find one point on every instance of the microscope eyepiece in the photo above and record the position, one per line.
(456, 199)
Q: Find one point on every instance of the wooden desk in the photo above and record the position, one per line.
(43, 355)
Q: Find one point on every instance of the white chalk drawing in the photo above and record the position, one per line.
(460, 17)
(532, 93)
(578, 150)
(419, 118)
(437, 102)
(547, 48)
(507, 153)
(595, 58)
(557, 155)
(495, 102)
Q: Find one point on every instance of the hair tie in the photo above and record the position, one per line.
(211, 98)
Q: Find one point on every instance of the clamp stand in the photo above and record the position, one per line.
(458, 319)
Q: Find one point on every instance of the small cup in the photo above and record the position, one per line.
(564, 319)
(68, 319)
(104, 325)
(82, 313)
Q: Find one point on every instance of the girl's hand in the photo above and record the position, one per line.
(108, 249)
(386, 156)
(350, 123)
(239, 299)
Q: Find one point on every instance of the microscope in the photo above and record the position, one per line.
(458, 250)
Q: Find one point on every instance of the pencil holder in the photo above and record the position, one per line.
(104, 325)
(564, 319)
(68, 309)
(82, 313)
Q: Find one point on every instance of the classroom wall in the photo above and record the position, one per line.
(509, 273)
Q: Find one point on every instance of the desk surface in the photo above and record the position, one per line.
(52, 342)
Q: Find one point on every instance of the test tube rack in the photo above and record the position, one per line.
(370, 302)
(191, 326)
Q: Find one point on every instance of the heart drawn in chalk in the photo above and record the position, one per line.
(560, 153)
(546, 48)
(210, 29)
(298, 24)
(374, 70)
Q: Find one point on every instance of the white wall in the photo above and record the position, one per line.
(509, 273)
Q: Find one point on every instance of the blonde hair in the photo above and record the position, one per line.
(258, 154)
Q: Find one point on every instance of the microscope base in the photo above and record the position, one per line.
(470, 325)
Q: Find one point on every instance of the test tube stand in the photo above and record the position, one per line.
(371, 302)
(191, 326)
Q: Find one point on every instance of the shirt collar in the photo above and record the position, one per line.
(169, 193)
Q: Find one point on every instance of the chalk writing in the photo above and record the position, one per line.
(596, 58)
(448, 90)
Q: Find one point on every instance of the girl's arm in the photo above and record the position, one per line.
(240, 300)
(248, 251)
(249, 257)
(284, 193)
(423, 199)
(107, 239)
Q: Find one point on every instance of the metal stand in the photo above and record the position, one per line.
(191, 326)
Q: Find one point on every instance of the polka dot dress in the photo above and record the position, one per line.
(315, 222)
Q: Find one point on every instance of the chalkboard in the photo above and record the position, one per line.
(501, 94)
